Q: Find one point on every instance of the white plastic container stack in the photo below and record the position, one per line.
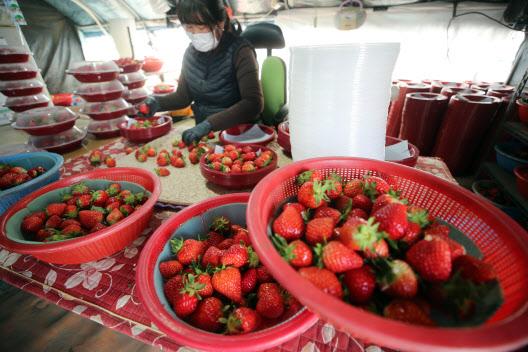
(338, 99)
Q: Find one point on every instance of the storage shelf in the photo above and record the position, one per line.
(518, 130)
(508, 183)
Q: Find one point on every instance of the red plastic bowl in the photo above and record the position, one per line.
(283, 137)
(522, 110)
(502, 241)
(17, 75)
(94, 246)
(72, 139)
(151, 289)
(169, 88)
(106, 134)
(522, 179)
(64, 99)
(46, 130)
(238, 180)
(236, 130)
(411, 160)
(129, 68)
(144, 135)
(152, 65)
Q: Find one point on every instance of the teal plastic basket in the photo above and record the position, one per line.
(50, 161)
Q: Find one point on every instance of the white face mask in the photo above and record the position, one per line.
(203, 42)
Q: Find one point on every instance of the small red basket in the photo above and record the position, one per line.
(152, 65)
(237, 130)
(283, 137)
(144, 135)
(413, 151)
(63, 99)
(151, 289)
(503, 242)
(238, 180)
(97, 245)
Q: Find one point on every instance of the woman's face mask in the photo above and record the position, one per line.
(203, 42)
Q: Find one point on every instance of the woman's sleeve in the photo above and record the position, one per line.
(179, 99)
(252, 102)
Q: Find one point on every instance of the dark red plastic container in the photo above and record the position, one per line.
(144, 135)
(500, 90)
(129, 68)
(237, 130)
(436, 86)
(12, 76)
(395, 111)
(283, 137)
(21, 88)
(413, 151)
(521, 172)
(465, 122)
(450, 91)
(522, 110)
(64, 99)
(238, 180)
(152, 65)
(421, 117)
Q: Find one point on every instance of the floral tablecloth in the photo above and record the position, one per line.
(105, 290)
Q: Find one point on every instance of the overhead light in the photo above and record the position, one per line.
(350, 17)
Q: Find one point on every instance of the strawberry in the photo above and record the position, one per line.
(323, 279)
(420, 216)
(342, 203)
(114, 217)
(141, 158)
(129, 150)
(18, 170)
(397, 279)
(95, 158)
(193, 157)
(176, 161)
(20, 179)
(374, 186)
(297, 253)
(221, 225)
(474, 269)
(385, 199)
(242, 237)
(228, 283)
(431, 258)
(163, 160)
(381, 249)
(353, 188)
(144, 109)
(242, 321)
(212, 257)
(270, 303)
(357, 213)
(310, 175)
(328, 212)
(188, 250)
(89, 218)
(338, 258)
(71, 212)
(186, 300)
(207, 290)
(211, 135)
(113, 189)
(319, 230)
(43, 234)
(300, 208)
(181, 144)
(69, 222)
(249, 281)
(207, 315)
(392, 181)
(225, 244)
(334, 188)
(53, 222)
(98, 227)
(407, 311)
(36, 171)
(126, 209)
(213, 239)
(31, 225)
(84, 201)
(99, 198)
(110, 162)
(173, 287)
(289, 224)
(437, 230)
(392, 219)
(361, 283)
(291, 307)
(263, 275)
(170, 269)
(56, 209)
(455, 248)
(117, 200)
(162, 172)
(362, 202)
(72, 231)
(151, 152)
(312, 194)
(236, 255)
(412, 233)
(39, 214)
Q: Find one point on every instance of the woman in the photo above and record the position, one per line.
(219, 73)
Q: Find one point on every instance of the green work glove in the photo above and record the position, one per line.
(151, 107)
(197, 132)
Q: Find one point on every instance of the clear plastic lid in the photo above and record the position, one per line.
(139, 93)
(133, 77)
(58, 139)
(27, 100)
(99, 88)
(105, 126)
(501, 88)
(47, 116)
(105, 107)
(18, 67)
(125, 61)
(21, 84)
(93, 67)
(14, 49)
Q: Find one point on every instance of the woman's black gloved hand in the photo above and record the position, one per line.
(197, 132)
(148, 107)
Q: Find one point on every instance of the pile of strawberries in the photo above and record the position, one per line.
(145, 123)
(362, 242)
(236, 160)
(82, 212)
(12, 176)
(217, 284)
(96, 158)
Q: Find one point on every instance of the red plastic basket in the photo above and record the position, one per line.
(144, 135)
(94, 246)
(152, 65)
(238, 180)
(503, 242)
(237, 130)
(161, 314)
(64, 99)
(413, 151)
(283, 137)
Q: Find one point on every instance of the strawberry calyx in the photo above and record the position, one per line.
(176, 245)
(192, 287)
(384, 272)
(345, 213)
(233, 324)
(253, 259)
(336, 177)
(220, 224)
(369, 189)
(318, 255)
(367, 234)
(285, 250)
(320, 190)
(421, 218)
(304, 177)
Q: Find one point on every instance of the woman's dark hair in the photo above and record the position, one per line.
(203, 12)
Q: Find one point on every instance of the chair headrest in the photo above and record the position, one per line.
(264, 35)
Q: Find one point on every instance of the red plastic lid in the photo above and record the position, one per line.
(18, 67)
(39, 117)
(476, 98)
(99, 88)
(27, 100)
(104, 107)
(133, 77)
(426, 96)
(14, 49)
(93, 67)
(460, 90)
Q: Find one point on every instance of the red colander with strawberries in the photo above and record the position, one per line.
(243, 311)
(459, 265)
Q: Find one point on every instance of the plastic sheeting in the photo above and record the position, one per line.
(54, 42)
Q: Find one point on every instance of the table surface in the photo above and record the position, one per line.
(105, 290)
